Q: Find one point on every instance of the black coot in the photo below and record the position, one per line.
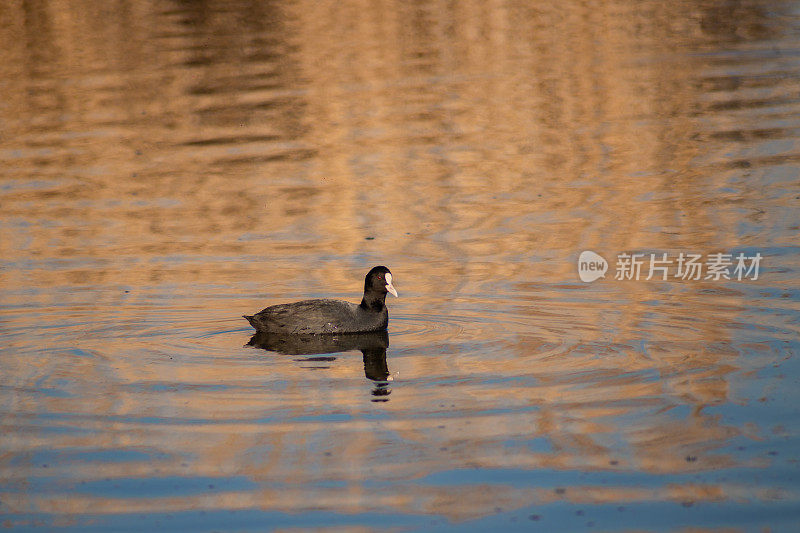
(331, 316)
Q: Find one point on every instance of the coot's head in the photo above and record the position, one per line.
(379, 280)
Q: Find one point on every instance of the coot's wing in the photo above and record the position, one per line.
(308, 316)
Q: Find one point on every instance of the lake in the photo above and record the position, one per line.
(591, 214)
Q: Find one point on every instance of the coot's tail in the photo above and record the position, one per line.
(252, 320)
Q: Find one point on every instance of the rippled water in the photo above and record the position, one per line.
(170, 166)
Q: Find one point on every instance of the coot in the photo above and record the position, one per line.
(313, 317)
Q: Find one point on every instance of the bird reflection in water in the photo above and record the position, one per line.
(372, 345)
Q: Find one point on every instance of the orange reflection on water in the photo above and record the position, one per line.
(169, 167)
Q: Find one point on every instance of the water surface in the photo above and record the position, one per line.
(166, 167)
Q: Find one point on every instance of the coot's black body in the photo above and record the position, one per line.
(315, 317)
